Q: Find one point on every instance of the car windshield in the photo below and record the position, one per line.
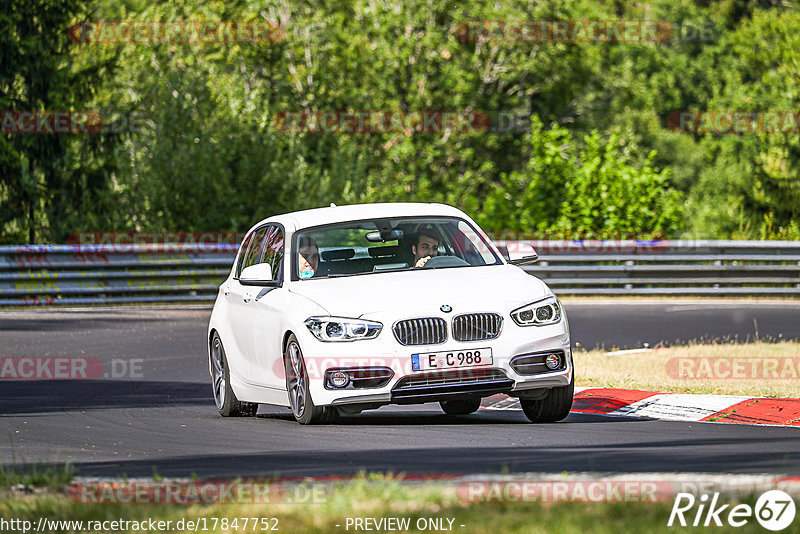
(361, 247)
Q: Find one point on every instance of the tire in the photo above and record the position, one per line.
(460, 407)
(224, 397)
(554, 407)
(300, 400)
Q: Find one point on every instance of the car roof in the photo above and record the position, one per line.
(355, 212)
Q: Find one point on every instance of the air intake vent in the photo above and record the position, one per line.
(422, 331)
(477, 326)
(454, 376)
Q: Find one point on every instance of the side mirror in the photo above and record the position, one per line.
(525, 260)
(256, 275)
(521, 254)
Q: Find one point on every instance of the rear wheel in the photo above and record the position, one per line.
(554, 407)
(297, 388)
(224, 397)
(460, 407)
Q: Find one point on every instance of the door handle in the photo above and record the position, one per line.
(226, 290)
(247, 297)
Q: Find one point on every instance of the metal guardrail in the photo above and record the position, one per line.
(112, 274)
(93, 274)
(686, 267)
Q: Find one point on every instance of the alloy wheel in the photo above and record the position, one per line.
(218, 373)
(298, 385)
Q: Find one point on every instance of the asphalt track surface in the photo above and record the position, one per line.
(163, 419)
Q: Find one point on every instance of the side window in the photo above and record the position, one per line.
(242, 253)
(253, 254)
(273, 251)
(473, 246)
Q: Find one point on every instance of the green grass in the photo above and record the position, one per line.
(650, 371)
(55, 476)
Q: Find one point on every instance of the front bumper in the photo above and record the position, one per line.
(409, 387)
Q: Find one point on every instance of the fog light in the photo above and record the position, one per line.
(340, 379)
(552, 361)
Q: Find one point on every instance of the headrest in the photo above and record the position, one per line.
(338, 254)
(382, 252)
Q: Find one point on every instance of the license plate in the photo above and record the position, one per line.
(449, 359)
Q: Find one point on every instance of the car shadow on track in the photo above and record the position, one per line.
(21, 397)
(431, 417)
(89, 323)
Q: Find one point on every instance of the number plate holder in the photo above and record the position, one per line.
(451, 359)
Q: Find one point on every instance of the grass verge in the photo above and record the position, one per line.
(753, 369)
(54, 477)
(364, 497)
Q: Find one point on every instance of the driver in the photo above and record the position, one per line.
(425, 247)
(308, 260)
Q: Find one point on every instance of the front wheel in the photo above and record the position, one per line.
(300, 400)
(460, 407)
(224, 397)
(554, 407)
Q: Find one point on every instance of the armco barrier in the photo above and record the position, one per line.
(84, 274)
(686, 267)
(93, 274)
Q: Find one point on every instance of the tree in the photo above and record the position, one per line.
(588, 189)
(40, 180)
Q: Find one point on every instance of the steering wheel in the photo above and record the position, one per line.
(444, 261)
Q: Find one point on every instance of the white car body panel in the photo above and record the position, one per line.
(253, 322)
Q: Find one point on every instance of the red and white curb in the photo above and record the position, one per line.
(674, 406)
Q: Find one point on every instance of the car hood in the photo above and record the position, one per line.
(425, 291)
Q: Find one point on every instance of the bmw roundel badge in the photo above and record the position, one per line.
(445, 308)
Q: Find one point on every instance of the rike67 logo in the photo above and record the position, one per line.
(774, 510)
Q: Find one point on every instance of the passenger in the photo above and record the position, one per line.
(308, 257)
(425, 247)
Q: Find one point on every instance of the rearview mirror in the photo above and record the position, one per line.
(378, 237)
(259, 274)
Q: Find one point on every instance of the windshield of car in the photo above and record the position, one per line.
(361, 247)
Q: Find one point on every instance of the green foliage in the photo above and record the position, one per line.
(55, 476)
(590, 189)
(47, 181)
(750, 185)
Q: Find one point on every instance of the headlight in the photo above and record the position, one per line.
(342, 328)
(541, 313)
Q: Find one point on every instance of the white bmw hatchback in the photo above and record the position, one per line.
(335, 310)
